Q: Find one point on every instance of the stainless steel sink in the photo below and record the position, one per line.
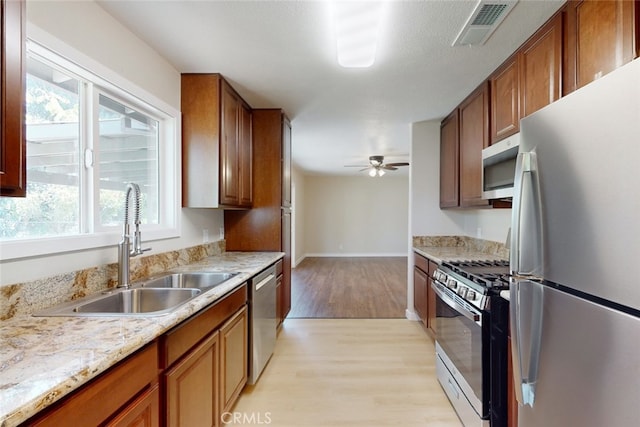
(138, 301)
(197, 280)
(152, 297)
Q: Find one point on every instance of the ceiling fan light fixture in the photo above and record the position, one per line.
(380, 172)
(372, 172)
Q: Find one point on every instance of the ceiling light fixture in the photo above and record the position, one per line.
(357, 29)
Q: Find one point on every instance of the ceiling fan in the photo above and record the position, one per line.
(377, 167)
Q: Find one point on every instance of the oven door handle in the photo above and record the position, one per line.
(473, 316)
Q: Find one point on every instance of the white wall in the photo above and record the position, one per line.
(427, 219)
(356, 216)
(85, 27)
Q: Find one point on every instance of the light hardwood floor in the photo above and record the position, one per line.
(367, 287)
(347, 372)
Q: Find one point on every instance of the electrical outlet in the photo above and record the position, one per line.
(205, 236)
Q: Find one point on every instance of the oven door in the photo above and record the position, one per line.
(460, 339)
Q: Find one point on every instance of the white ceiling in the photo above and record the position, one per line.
(281, 54)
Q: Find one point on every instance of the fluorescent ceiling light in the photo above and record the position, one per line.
(357, 27)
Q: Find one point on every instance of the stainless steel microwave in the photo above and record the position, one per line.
(498, 168)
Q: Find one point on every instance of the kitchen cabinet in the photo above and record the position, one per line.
(217, 146)
(420, 284)
(505, 100)
(431, 300)
(528, 80)
(234, 361)
(191, 386)
(197, 354)
(423, 295)
(13, 149)
(144, 411)
(283, 296)
(540, 68)
(135, 379)
(600, 36)
(474, 136)
(267, 226)
(449, 161)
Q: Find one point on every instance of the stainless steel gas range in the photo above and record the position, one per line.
(471, 341)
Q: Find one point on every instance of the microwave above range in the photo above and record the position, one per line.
(498, 168)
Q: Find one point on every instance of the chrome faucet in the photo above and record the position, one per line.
(125, 251)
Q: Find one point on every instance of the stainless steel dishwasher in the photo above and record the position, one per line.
(262, 321)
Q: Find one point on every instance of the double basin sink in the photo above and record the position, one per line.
(151, 297)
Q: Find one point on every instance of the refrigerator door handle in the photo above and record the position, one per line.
(526, 317)
(526, 257)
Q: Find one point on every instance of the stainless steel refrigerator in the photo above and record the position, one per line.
(575, 256)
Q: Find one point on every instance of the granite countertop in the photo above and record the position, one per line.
(441, 254)
(43, 359)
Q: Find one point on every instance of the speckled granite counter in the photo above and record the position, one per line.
(44, 358)
(459, 248)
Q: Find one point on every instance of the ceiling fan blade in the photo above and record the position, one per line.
(365, 169)
(398, 164)
(357, 166)
(389, 167)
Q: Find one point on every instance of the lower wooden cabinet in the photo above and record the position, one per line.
(134, 379)
(144, 411)
(191, 387)
(234, 361)
(424, 299)
(187, 377)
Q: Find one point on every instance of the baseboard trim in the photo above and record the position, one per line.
(411, 315)
(352, 255)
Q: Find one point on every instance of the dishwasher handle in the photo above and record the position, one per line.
(264, 282)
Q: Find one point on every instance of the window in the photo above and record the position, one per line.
(86, 140)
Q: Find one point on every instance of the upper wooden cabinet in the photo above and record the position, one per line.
(449, 160)
(529, 80)
(13, 149)
(540, 67)
(217, 151)
(474, 136)
(267, 226)
(600, 36)
(505, 100)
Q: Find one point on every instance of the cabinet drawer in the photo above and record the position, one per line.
(180, 339)
(97, 401)
(421, 262)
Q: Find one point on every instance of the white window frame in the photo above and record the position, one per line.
(110, 83)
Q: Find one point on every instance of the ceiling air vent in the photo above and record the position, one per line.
(483, 22)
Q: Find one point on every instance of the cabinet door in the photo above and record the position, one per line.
(13, 149)
(505, 100)
(191, 387)
(279, 300)
(144, 411)
(420, 281)
(286, 162)
(540, 68)
(474, 136)
(449, 161)
(245, 147)
(229, 152)
(234, 365)
(600, 36)
(431, 300)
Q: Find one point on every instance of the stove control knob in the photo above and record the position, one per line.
(452, 284)
(471, 295)
(462, 291)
